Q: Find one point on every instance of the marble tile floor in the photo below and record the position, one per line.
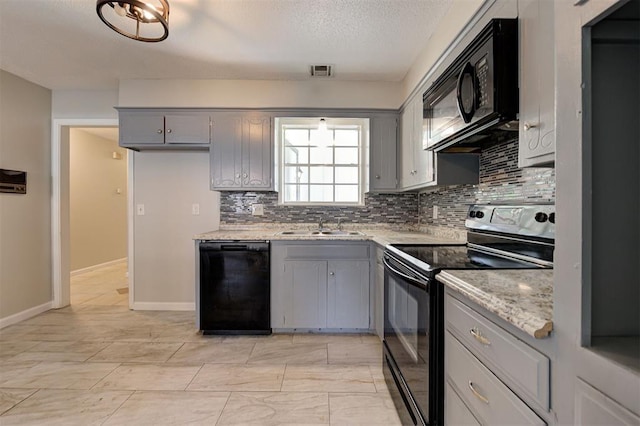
(100, 286)
(102, 364)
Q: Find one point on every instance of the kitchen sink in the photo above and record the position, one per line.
(324, 233)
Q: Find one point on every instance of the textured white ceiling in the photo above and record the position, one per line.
(62, 44)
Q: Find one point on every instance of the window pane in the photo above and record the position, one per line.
(321, 174)
(347, 137)
(347, 175)
(347, 193)
(321, 155)
(346, 155)
(296, 155)
(321, 193)
(296, 193)
(296, 136)
(297, 175)
(321, 137)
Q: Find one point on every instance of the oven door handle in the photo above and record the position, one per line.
(409, 279)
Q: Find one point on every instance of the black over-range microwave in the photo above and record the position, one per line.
(476, 97)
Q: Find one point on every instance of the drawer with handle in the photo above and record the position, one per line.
(508, 357)
(490, 401)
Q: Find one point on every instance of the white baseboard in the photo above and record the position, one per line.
(94, 267)
(163, 306)
(26, 314)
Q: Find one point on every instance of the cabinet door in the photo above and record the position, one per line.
(306, 306)
(423, 159)
(348, 294)
(257, 164)
(383, 153)
(226, 151)
(595, 408)
(537, 83)
(193, 128)
(141, 128)
(408, 171)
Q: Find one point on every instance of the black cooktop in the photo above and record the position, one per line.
(432, 258)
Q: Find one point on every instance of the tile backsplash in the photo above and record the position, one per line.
(500, 181)
(392, 209)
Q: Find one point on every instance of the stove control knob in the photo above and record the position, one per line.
(479, 215)
(552, 217)
(472, 213)
(541, 217)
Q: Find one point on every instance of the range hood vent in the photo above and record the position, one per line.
(321, 71)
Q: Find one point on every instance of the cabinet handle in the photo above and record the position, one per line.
(529, 126)
(244, 175)
(168, 130)
(377, 176)
(477, 394)
(238, 176)
(159, 131)
(479, 337)
(332, 273)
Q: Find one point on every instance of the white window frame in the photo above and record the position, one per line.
(312, 123)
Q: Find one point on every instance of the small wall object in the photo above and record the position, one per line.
(13, 181)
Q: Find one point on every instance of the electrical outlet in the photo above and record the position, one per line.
(140, 209)
(435, 212)
(257, 209)
(195, 209)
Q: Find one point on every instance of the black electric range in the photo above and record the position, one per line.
(498, 237)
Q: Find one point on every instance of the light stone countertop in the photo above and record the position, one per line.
(521, 297)
(381, 236)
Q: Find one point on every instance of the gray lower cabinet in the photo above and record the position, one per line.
(491, 372)
(455, 411)
(241, 151)
(164, 129)
(379, 294)
(592, 407)
(319, 285)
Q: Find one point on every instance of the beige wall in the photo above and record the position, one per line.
(168, 184)
(98, 213)
(259, 93)
(25, 220)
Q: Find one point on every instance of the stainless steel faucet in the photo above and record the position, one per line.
(320, 225)
(339, 224)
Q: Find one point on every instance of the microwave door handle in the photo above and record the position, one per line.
(471, 71)
(409, 279)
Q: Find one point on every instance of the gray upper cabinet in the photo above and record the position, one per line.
(241, 151)
(383, 151)
(537, 83)
(164, 129)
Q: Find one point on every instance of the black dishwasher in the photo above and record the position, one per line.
(234, 295)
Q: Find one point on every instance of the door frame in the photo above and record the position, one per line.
(60, 231)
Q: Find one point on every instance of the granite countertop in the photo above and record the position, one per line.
(521, 297)
(381, 236)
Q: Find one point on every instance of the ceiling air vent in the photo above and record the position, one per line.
(321, 71)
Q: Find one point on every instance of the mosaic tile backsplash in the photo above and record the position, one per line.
(394, 209)
(500, 180)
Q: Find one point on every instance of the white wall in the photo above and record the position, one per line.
(25, 221)
(98, 212)
(168, 184)
(260, 93)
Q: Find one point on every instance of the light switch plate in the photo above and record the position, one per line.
(195, 209)
(140, 209)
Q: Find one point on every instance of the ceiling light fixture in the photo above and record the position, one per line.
(143, 20)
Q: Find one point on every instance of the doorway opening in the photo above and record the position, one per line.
(91, 214)
(97, 217)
